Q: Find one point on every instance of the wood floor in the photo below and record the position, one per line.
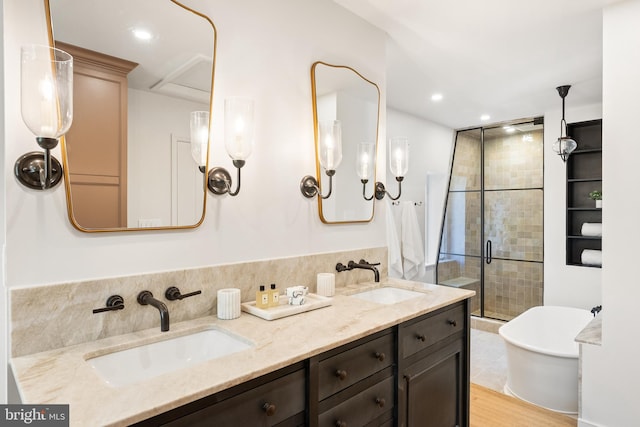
(490, 408)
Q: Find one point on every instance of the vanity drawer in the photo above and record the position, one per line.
(350, 366)
(423, 333)
(371, 407)
(277, 402)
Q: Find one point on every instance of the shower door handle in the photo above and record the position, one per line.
(488, 252)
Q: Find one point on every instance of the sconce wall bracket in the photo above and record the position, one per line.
(381, 190)
(309, 186)
(31, 169)
(219, 179)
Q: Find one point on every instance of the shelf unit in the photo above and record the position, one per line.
(584, 174)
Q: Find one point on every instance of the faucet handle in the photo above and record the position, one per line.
(362, 261)
(114, 302)
(341, 267)
(173, 293)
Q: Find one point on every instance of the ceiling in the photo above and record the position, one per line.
(176, 60)
(503, 58)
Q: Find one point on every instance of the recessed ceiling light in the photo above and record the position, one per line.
(142, 34)
(436, 97)
(485, 117)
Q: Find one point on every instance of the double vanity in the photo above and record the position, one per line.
(379, 353)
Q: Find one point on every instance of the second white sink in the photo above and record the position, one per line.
(150, 360)
(388, 295)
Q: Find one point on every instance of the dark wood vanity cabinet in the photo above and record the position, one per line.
(354, 385)
(415, 374)
(433, 369)
(276, 399)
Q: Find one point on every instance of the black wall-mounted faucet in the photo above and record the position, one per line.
(146, 298)
(362, 265)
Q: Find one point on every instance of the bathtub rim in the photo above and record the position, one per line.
(537, 349)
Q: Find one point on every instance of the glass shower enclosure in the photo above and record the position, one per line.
(492, 233)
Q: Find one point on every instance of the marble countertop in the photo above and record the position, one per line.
(62, 375)
(592, 333)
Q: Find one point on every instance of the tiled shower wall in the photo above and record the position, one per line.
(513, 219)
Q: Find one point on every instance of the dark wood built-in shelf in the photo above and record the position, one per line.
(584, 174)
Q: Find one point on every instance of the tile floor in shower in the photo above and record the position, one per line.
(488, 360)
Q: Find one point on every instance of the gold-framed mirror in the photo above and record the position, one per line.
(140, 68)
(341, 93)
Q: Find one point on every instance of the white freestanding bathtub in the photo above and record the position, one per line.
(542, 356)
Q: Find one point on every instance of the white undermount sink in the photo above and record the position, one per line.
(388, 295)
(150, 360)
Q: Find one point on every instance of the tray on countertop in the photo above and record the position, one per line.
(312, 302)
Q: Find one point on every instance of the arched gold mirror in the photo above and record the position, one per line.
(140, 69)
(342, 94)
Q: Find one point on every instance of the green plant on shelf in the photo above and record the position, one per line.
(595, 195)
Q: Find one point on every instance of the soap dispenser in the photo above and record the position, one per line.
(274, 296)
(262, 298)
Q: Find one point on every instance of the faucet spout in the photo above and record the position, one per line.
(365, 266)
(146, 298)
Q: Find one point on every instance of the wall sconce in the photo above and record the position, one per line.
(199, 130)
(47, 110)
(330, 155)
(238, 141)
(399, 165)
(565, 145)
(365, 160)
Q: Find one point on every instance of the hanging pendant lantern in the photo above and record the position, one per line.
(565, 145)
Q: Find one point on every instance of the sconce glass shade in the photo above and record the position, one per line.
(330, 144)
(199, 126)
(238, 127)
(399, 156)
(46, 90)
(365, 160)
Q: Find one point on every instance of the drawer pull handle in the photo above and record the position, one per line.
(421, 337)
(269, 409)
(341, 423)
(380, 356)
(342, 374)
(380, 402)
(452, 323)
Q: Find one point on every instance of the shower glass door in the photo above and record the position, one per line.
(502, 257)
(513, 219)
(460, 259)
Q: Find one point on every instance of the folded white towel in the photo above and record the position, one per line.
(394, 253)
(591, 257)
(592, 229)
(411, 241)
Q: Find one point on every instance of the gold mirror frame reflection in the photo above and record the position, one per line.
(151, 168)
(346, 204)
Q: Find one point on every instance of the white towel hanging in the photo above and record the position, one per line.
(411, 243)
(394, 253)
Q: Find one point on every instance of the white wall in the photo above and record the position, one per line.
(149, 153)
(565, 285)
(265, 51)
(611, 373)
(430, 150)
(3, 289)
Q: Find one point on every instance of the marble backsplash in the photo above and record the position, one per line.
(54, 316)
